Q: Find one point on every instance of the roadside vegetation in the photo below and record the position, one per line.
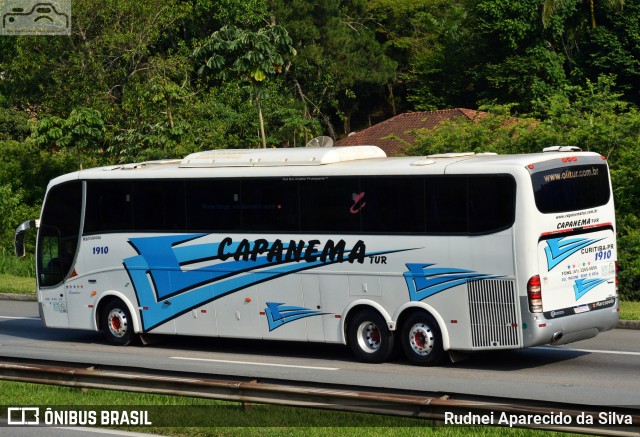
(17, 275)
(629, 310)
(17, 284)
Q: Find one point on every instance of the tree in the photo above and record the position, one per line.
(13, 124)
(494, 130)
(109, 49)
(13, 213)
(550, 8)
(432, 43)
(234, 52)
(208, 15)
(520, 63)
(614, 48)
(342, 71)
(83, 131)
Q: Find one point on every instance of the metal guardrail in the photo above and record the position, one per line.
(431, 406)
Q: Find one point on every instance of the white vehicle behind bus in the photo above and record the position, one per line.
(444, 254)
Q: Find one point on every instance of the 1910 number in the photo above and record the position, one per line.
(101, 250)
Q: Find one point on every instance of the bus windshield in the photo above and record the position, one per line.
(58, 236)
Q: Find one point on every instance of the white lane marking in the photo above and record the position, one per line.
(255, 364)
(593, 351)
(19, 318)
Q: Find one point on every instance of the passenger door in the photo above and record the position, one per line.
(52, 295)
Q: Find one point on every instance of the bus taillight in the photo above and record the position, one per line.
(617, 278)
(534, 292)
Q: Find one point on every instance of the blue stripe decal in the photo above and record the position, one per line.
(189, 274)
(423, 281)
(278, 315)
(583, 286)
(559, 249)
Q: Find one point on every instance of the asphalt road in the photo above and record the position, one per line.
(601, 372)
(65, 431)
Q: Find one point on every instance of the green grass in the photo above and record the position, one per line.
(629, 310)
(17, 275)
(258, 420)
(12, 265)
(16, 284)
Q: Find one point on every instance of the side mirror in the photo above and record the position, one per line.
(20, 234)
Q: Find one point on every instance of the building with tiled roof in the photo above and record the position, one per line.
(394, 134)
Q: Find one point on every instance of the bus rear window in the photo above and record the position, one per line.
(571, 188)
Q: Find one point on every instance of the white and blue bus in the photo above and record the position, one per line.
(444, 254)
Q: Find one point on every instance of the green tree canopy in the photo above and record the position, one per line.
(233, 52)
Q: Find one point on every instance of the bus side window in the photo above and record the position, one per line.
(269, 205)
(491, 203)
(326, 205)
(446, 205)
(109, 206)
(213, 205)
(158, 206)
(393, 204)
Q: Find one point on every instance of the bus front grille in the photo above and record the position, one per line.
(494, 314)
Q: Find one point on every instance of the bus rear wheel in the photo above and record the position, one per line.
(369, 338)
(421, 339)
(117, 324)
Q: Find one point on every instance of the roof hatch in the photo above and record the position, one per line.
(280, 157)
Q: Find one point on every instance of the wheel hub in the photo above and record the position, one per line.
(421, 339)
(117, 322)
(368, 337)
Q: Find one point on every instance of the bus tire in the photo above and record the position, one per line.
(421, 339)
(369, 337)
(117, 324)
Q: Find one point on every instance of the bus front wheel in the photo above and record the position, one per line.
(117, 324)
(369, 337)
(421, 340)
